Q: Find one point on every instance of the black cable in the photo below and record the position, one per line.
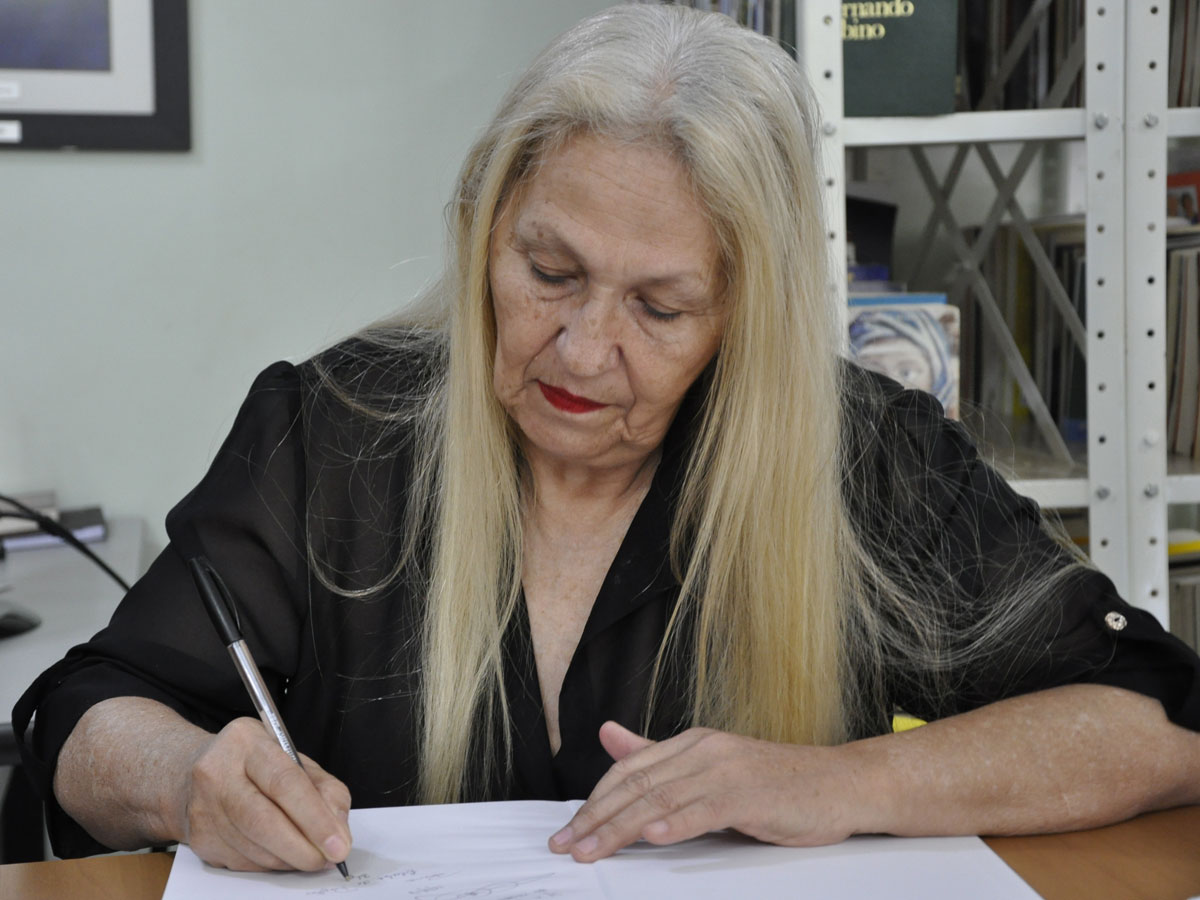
(49, 526)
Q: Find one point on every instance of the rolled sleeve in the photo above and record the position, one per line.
(984, 540)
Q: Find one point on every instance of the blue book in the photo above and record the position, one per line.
(867, 272)
(894, 299)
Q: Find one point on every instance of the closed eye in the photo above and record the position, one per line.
(655, 313)
(546, 277)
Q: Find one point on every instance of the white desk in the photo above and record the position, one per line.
(73, 596)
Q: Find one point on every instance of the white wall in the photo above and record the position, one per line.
(140, 293)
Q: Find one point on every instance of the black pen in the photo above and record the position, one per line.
(224, 617)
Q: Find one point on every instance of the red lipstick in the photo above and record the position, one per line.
(566, 401)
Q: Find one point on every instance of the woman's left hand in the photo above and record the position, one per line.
(1030, 764)
(703, 780)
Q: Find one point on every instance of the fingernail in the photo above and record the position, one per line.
(563, 837)
(335, 848)
(655, 829)
(588, 844)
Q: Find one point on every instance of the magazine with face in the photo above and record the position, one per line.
(914, 343)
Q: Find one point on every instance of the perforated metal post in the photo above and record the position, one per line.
(1105, 248)
(1146, 45)
(819, 42)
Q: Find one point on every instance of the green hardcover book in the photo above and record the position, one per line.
(899, 57)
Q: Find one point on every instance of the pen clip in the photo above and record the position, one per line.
(217, 600)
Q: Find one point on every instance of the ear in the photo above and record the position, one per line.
(618, 741)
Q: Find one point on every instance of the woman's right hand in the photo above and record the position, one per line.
(247, 806)
(134, 773)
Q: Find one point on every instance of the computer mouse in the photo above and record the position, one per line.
(16, 619)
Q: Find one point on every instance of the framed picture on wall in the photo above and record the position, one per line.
(94, 74)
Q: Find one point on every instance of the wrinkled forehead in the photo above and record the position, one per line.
(539, 152)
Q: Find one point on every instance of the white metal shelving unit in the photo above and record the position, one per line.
(1145, 70)
(1124, 127)
(1009, 125)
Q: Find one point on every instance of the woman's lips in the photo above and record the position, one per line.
(566, 401)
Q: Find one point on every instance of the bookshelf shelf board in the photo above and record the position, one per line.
(1183, 480)
(1054, 493)
(1006, 125)
(1029, 469)
(1182, 123)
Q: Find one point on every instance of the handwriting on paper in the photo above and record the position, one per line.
(440, 884)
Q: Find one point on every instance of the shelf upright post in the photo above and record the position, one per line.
(1104, 85)
(1146, 43)
(819, 43)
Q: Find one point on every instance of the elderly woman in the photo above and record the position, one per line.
(608, 517)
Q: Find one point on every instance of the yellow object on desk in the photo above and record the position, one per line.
(905, 722)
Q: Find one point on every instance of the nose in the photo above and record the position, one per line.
(589, 340)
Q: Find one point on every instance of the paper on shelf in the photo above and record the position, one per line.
(498, 851)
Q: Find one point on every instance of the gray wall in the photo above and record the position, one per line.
(140, 293)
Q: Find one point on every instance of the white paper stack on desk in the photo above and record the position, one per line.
(12, 520)
(498, 851)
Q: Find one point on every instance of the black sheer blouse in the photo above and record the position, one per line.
(293, 475)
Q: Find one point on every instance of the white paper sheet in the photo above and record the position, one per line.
(498, 851)
(492, 850)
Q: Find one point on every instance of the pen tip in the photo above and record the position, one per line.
(345, 872)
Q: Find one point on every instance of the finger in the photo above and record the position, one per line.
(235, 785)
(225, 847)
(741, 812)
(619, 742)
(220, 795)
(652, 754)
(333, 791)
(255, 821)
(644, 817)
(291, 790)
(246, 853)
(337, 796)
(641, 774)
(700, 816)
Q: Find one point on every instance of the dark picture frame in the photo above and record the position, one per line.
(167, 127)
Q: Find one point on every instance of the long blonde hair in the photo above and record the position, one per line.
(791, 618)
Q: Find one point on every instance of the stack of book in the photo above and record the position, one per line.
(774, 18)
(1042, 37)
(13, 521)
(1183, 198)
(1050, 343)
(19, 533)
(1183, 341)
(1183, 555)
(942, 56)
(1048, 330)
(1183, 70)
